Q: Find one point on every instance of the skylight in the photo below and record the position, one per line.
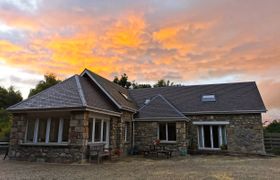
(125, 96)
(208, 98)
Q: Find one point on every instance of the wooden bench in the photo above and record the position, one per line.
(4, 147)
(99, 151)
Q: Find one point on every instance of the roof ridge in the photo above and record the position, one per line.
(192, 85)
(80, 90)
(153, 98)
(31, 97)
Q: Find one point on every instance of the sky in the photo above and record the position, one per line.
(187, 42)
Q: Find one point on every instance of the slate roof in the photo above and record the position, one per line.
(90, 90)
(158, 107)
(114, 91)
(62, 95)
(75, 92)
(230, 98)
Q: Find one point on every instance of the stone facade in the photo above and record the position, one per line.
(146, 132)
(244, 132)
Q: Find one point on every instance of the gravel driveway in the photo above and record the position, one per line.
(191, 167)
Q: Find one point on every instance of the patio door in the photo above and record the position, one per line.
(211, 136)
(99, 131)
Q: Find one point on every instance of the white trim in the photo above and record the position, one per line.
(48, 130)
(220, 136)
(101, 135)
(103, 111)
(211, 137)
(26, 131)
(36, 127)
(202, 133)
(60, 130)
(93, 130)
(210, 122)
(125, 132)
(225, 112)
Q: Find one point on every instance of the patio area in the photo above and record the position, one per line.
(137, 167)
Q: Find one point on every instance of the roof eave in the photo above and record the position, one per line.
(161, 119)
(225, 112)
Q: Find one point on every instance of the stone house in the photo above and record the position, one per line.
(58, 124)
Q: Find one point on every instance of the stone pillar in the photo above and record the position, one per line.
(78, 134)
(17, 134)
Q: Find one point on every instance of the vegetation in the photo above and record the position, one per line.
(124, 82)
(8, 97)
(273, 127)
(50, 80)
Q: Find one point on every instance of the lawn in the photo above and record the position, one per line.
(191, 167)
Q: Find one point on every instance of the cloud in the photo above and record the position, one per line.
(185, 41)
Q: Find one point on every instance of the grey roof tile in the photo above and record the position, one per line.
(230, 97)
(158, 107)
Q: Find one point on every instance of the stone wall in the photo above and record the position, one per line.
(146, 133)
(73, 151)
(244, 132)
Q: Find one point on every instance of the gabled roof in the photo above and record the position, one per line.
(230, 98)
(158, 108)
(113, 91)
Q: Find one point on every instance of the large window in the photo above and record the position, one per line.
(51, 130)
(211, 136)
(99, 131)
(167, 132)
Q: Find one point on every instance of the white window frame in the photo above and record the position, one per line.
(126, 131)
(166, 133)
(47, 135)
(101, 135)
(211, 136)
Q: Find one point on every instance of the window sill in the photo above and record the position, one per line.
(210, 149)
(44, 144)
(168, 142)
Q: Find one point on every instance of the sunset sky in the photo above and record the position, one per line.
(188, 42)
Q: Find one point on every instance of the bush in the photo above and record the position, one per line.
(5, 124)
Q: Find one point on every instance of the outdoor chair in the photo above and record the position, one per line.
(99, 151)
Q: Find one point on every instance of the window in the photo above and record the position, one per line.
(126, 128)
(49, 130)
(99, 131)
(208, 98)
(167, 131)
(211, 136)
(30, 130)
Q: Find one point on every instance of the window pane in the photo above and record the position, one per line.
(97, 130)
(30, 130)
(207, 137)
(162, 131)
(42, 130)
(200, 142)
(215, 132)
(104, 131)
(126, 131)
(90, 130)
(171, 131)
(224, 135)
(54, 130)
(65, 130)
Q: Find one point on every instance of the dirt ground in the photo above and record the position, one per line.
(190, 167)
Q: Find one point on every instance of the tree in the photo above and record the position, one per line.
(123, 81)
(9, 97)
(273, 127)
(135, 85)
(163, 83)
(50, 80)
